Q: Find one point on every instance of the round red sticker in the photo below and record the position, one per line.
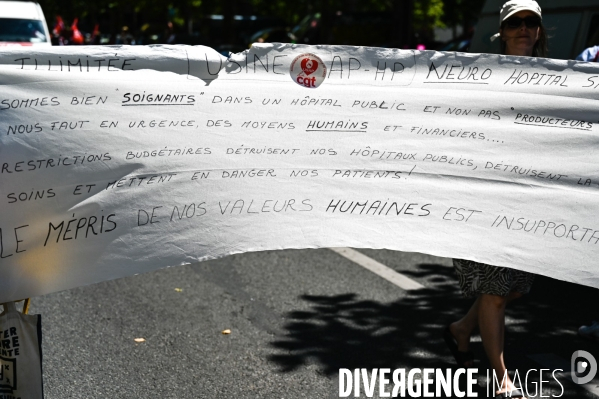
(308, 70)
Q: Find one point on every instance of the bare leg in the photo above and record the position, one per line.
(491, 319)
(463, 328)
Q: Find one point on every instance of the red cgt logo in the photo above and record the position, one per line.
(309, 65)
(308, 70)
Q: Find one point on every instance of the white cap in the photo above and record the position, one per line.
(514, 6)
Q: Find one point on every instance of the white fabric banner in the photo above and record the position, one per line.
(121, 160)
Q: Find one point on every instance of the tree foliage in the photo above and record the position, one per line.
(112, 15)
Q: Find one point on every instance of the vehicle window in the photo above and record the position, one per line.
(593, 36)
(22, 30)
(560, 32)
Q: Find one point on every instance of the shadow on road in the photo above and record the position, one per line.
(344, 331)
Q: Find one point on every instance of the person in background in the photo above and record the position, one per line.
(522, 34)
(169, 35)
(125, 37)
(592, 53)
(96, 36)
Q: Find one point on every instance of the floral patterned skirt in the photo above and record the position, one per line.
(479, 278)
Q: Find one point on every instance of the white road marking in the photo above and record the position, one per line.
(379, 269)
(553, 361)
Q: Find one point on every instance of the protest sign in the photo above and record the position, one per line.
(121, 160)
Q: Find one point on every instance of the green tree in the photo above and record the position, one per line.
(461, 13)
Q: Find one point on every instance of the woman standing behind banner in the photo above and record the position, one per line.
(522, 33)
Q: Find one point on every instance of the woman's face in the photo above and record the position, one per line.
(520, 40)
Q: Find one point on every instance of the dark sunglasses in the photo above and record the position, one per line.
(516, 22)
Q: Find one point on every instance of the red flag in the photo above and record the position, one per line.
(77, 36)
(59, 26)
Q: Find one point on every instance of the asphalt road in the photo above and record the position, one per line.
(296, 317)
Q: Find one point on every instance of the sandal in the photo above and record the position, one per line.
(514, 394)
(460, 357)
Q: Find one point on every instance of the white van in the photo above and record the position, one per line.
(22, 23)
(572, 26)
